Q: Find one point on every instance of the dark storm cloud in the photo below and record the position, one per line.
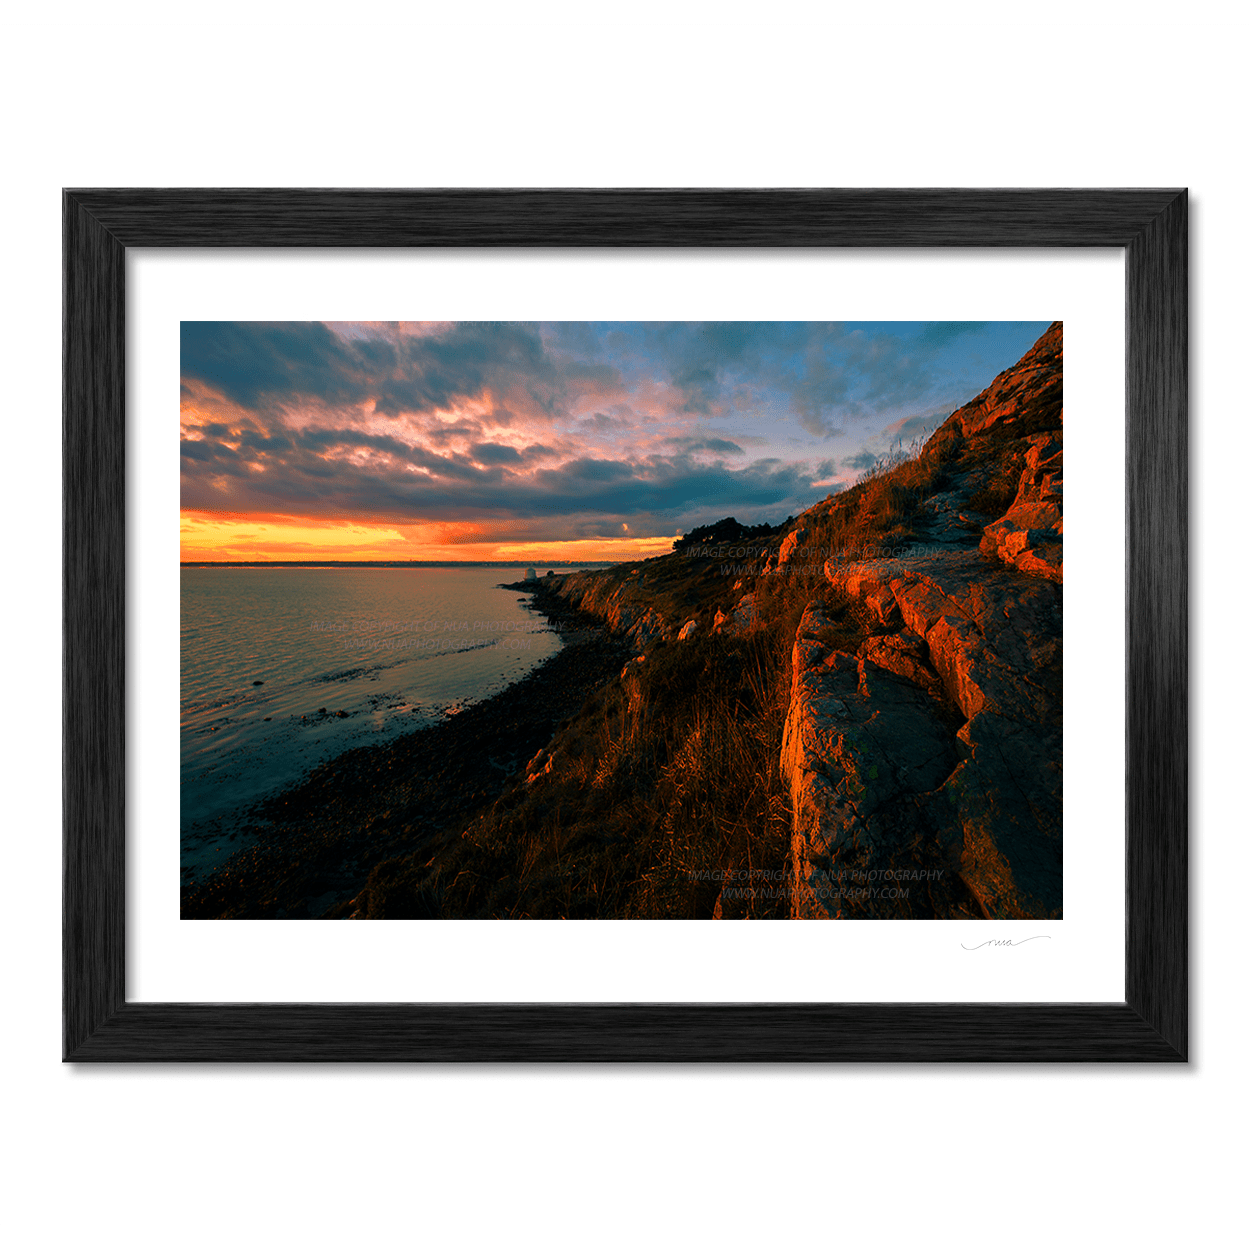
(325, 439)
(265, 442)
(452, 433)
(258, 365)
(719, 446)
(587, 470)
(303, 480)
(248, 361)
(205, 451)
(495, 453)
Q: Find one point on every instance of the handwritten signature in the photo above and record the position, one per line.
(1005, 942)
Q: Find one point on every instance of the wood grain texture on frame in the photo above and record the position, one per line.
(1150, 1025)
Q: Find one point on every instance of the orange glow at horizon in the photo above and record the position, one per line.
(217, 536)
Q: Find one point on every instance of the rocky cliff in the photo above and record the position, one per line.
(673, 598)
(622, 604)
(940, 741)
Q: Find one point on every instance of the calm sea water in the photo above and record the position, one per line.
(343, 658)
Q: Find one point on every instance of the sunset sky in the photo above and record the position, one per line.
(542, 442)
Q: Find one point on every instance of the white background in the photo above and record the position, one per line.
(1080, 960)
(963, 94)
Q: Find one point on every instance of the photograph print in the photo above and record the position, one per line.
(640, 620)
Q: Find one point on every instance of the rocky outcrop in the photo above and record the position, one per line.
(628, 606)
(739, 620)
(943, 736)
(1028, 394)
(622, 606)
(790, 545)
(1030, 533)
(865, 751)
(988, 640)
(540, 765)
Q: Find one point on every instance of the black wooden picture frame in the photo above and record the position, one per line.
(1149, 1025)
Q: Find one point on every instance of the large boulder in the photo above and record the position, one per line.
(987, 642)
(1030, 534)
(864, 751)
(790, 545)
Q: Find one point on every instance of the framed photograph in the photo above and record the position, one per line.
(849, 704)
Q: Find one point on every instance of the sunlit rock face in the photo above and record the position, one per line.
(865, 751)
(625, 608)
(945, 731)
(1030, 533)
(983, 643)
(791, 546)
